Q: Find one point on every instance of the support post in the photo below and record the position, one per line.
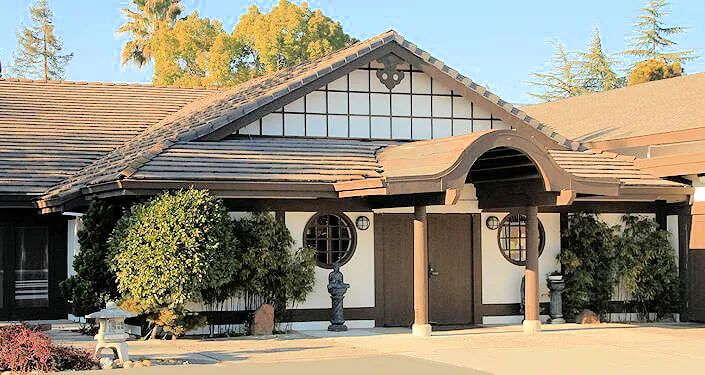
(532, 322)
(421, 326)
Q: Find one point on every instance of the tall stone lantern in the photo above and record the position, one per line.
(337, 288)
(111, 331)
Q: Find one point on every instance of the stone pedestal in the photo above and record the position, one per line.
(556, 286)
(337, 289)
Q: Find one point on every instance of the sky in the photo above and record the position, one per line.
(495, 43)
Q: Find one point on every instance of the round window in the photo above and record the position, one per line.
(512, 238)
(332, 235)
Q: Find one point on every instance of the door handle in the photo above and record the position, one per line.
(432, 271)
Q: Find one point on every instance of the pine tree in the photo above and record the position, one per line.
(142, 24)
(38, 51)
(595, 67)
(562, 81)
(652, 39)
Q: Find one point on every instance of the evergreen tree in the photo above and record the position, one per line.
(142, 24)
(38, 53)
(562, 81)
(595, 67)
(652, 39)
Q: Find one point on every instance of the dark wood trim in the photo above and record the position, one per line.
(508, 309)
(660, 210)
(604, 207)
(291, 315)
(280, 216)
(684, 225)
(477, 268)
(379, 270)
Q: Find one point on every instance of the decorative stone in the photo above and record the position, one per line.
(337, 289)
(138, 364)
(111, 334)
(587, 317)
(147, 363)
(127, 364)
(556, 286)
(106, 363)
(264, 320)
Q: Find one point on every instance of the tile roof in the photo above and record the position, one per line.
(591, 164)
(50, 130)
(209, 114)
(269, 159)
(649, 108)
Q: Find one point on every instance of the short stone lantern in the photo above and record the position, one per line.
(556, 284)
(111, 331)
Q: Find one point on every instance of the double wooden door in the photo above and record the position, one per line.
(450, 269)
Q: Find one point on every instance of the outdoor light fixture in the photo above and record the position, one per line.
(362, 222)
(492, 222)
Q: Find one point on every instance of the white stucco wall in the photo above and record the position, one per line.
(501, 280)
(699, 195)
(358, 272)
(72, 246)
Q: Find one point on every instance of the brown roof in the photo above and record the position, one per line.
(268, 159)
(50, 130)
(212, 113)
(361, 168)
(668, 105)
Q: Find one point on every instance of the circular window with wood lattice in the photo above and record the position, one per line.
(333, 237)
(512, 238)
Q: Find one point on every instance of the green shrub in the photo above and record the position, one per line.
(172, 249)
(94, 283)
(647, 265)
(588, 264)
(270, 270)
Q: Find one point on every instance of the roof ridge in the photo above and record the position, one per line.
(98, 83)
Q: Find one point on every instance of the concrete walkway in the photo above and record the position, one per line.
(600, 349)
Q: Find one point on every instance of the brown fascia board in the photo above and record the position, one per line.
(695, 134)
(673, 165)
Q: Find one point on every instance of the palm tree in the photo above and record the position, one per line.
(143, 23)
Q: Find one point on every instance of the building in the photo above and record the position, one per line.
(661, 125)
(434, 194)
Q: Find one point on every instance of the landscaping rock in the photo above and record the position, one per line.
(264, 320)
(127, 364)
(587, 317)
(147, 363)
(138, 365)
(106, 363)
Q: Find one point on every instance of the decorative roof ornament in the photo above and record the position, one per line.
(390, 76)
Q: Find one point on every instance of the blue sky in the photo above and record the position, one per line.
(496, 43)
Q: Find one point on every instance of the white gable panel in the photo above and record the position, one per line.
(358, 105)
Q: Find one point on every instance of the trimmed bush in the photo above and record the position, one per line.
(94, 283)
(647, 265)
(69, 358)
(171, 249)
(588, 264)
(23, 349)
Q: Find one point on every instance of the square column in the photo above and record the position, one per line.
(532, 321)
(421, 326)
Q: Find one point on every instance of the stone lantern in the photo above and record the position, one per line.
(556, 284)
(111, 331)
(337, 289)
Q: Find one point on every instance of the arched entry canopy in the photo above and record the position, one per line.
(507, 169)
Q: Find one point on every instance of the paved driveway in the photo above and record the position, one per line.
(566, 349)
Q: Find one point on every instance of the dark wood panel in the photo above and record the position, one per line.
(393, 240)
(696, 302)
(450, 255)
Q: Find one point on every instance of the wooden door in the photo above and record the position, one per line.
(5, 292)
(450, 253)
(394, 270)
(450, 263)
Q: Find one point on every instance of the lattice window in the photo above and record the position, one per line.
(333, 237)
(512, 238)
